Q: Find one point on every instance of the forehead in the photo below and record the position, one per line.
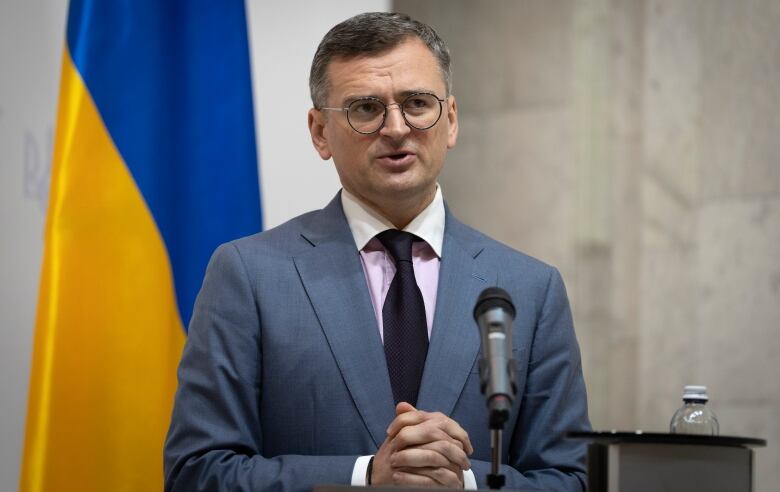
(409, 66)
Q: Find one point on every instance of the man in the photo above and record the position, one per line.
(336, 349)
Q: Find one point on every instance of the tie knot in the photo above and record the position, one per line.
(398, 243)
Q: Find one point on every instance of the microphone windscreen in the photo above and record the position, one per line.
(493, 297)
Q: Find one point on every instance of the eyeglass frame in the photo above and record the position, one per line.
(387, 108)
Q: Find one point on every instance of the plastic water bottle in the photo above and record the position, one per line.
(694, 417)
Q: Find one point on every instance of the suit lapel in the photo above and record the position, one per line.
(334, 280)
(454, 343)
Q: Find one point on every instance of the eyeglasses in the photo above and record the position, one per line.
(367, 115)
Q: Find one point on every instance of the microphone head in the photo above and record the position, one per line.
(493, 297)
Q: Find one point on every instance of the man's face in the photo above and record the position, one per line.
(397, 164)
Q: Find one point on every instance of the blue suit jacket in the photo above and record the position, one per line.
(283, 381)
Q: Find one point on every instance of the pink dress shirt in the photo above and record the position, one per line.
(379, 266)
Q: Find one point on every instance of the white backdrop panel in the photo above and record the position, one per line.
(284, 36)
(294, 179)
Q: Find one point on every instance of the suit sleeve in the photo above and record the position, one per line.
(215, 439)
(553, 402)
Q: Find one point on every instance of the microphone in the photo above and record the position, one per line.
(494, 313)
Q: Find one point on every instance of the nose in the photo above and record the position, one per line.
(395, 125)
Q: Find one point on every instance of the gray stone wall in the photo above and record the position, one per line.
(636, 146)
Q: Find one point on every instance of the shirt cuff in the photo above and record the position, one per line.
(360, 469)
(469, 480)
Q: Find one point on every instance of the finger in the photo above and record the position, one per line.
(409, 479)
(441, 477)
(417, 417)
(405, 419)
(451, 451)
(456, 432)
(452, 428)
(382, 470)
(437, 419)
(418, 458)
(418, 435)
(403, 407)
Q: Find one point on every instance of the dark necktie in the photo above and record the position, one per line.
(403, 318)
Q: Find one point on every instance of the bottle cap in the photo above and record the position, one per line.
(694, 392)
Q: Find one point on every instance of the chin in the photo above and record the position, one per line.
(406, 190)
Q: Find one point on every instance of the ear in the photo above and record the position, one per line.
(452, 118)
(318, 134)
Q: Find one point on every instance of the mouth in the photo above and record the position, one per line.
(401, 158)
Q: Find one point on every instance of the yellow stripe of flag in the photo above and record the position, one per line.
(108, 335)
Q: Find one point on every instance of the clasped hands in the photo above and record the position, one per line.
(422, 449)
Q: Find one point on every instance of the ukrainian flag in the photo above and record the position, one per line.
(154, 166)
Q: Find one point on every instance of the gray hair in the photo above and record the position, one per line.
(370, 34)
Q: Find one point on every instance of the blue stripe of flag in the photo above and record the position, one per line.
(172, 83)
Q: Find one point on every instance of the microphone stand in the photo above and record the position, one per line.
(499, 413)
(494, 313)
(495, 479)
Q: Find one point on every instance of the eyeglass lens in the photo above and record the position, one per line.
(421, 111)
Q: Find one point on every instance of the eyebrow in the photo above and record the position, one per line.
(403, 94)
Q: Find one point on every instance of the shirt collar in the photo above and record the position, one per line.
(365, 223)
